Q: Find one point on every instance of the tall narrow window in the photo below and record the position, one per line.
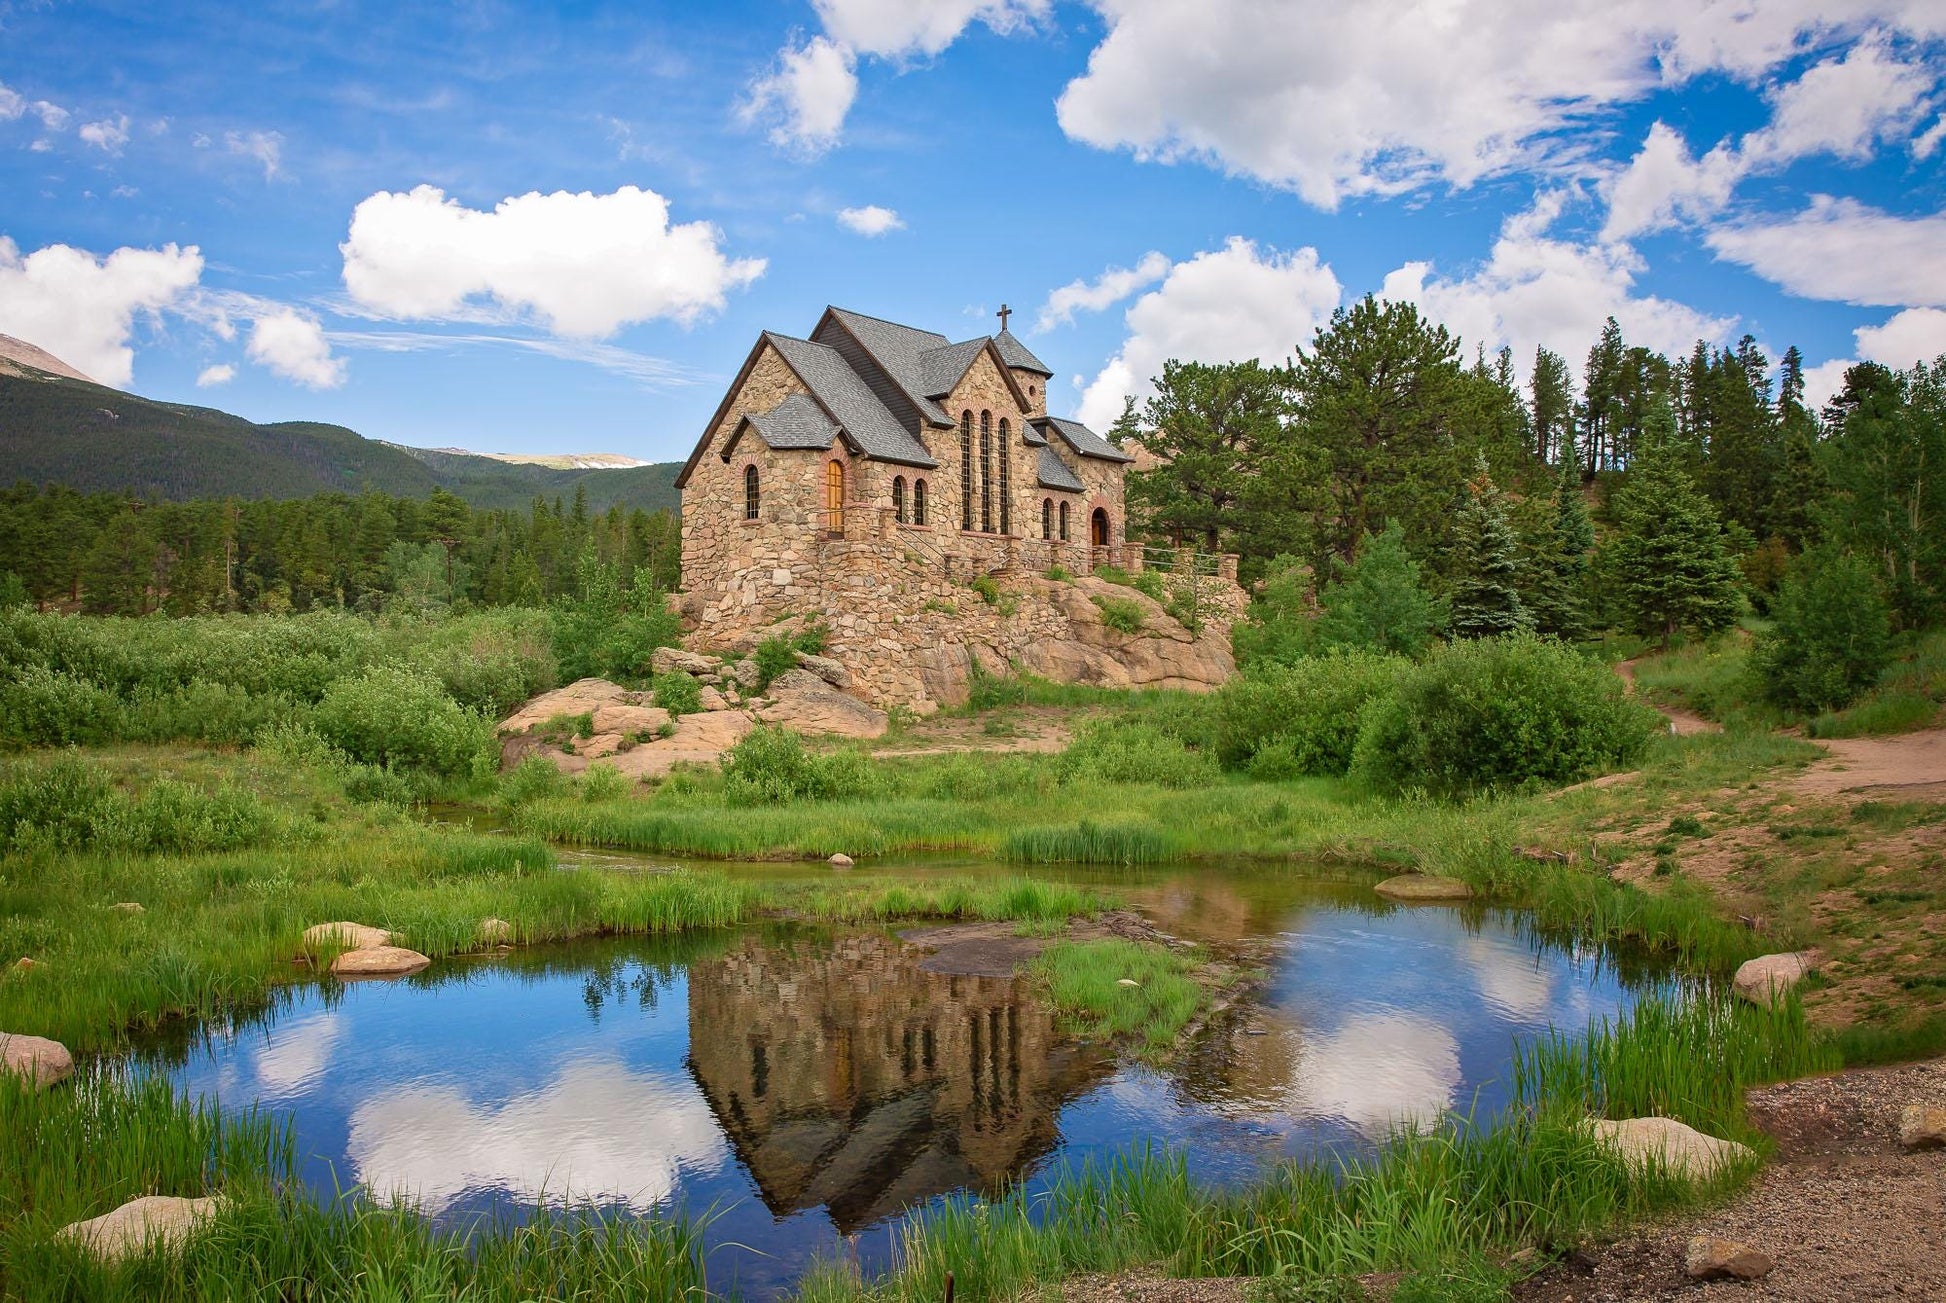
(1064, 522)
(966, 470)
(986, 472)
(919, 502)
(1047, 518)
(834, 496)
(1006, 482)
(898, 498)
(751, 499)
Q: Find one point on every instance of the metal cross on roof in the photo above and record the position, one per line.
(1003, 314)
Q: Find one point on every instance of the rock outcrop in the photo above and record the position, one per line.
(159, 1219)
(582, 697)
(801, 700)
(1765, 979)
(1423, 886)
(379, 961)
(1670, 1146)
(35, 1059)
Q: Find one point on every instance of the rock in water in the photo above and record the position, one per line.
(496, 931)
(1673, 1146)
(1922, 1126)
(1423, 886)
(352, 936)
(841, 861)
(1709, 1258)
(41, 1062)
(161, 1219)
(1765, 979)
(379, 961)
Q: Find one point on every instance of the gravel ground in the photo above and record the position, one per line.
(1843, 1211)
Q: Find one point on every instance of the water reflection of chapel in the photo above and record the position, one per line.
(848, 1078)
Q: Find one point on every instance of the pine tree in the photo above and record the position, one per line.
(1552, 412)
(1670, 568)
(1558, 575)
(1485, 597)
(1377, 601)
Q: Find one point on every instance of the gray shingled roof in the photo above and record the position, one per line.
(901, 351)
(943, 367)
(1083, 440)
(1016, 354)
(797, 422)
(864, 419)
(1054, 473)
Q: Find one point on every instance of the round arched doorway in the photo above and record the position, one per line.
(1098, 528)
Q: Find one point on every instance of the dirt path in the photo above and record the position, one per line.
(1844, 1212)
(1683, 723)
(1910, 766)
(1038, 729)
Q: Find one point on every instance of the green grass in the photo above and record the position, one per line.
(1084, 982)
(1087, 843)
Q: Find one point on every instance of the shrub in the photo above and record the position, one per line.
(1130, 749)
(988, 588)
(606, 630)
(51, 803)
(1498, 712)
(68, 804)
(990, 691)
(774, 655)
(221, 713)
(1059, 574)
(1120, 613)
(771, 767)
(603, 782)
(812, 639)
(404, 719)
(534, 778)
(1283, 721)
(40, 707)
(677, 693)
(489, 662)
(1830, 636)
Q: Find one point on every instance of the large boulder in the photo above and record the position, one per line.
(746, 674)
(159, 1219)
(1765, 979)
(698, 739)
(582, 697)
(1670, 1146)
(379, 961)
(1423, 886)
(801, 700)
(35, 1059)
(664, 660)
(832, 672)
(629, 720)
(349, 936)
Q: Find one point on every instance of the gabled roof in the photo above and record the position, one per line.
(797, 422)
(1053, 473)
(1016, 354)
(1083, 440)
(943, 367)
(866, 424)
(899, 351)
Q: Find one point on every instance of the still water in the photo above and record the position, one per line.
(810, 1087)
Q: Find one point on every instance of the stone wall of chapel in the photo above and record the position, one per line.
(1034, 386)
(984, 388)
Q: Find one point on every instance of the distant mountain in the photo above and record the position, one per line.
(59, 427)
(560, 461)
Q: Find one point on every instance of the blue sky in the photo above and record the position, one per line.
(519, 228)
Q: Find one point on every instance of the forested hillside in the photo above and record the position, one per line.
(55, 430)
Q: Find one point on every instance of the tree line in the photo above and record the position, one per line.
(112, 554)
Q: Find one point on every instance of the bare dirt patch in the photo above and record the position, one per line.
(1000, 950)
(1910, 766)
(1034, 729)
(1683, 723)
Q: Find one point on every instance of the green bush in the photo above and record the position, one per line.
(1830, 634)
(40, 707)
(220, 713)
(1498, 712)
(988, 588)
(1132, 749)
(488, 661)
(404, 719)
(535, 778)
(1122, 614)
(68, 804)
(770, 766)
(1283, 721)
(607, 630)
(1377, 602)
(774, 655)
(677, 693)
(603, 782)
(986, 692)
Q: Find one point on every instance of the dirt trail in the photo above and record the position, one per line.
(1909, 766)
(1683, 723)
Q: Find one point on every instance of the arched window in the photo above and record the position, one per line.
(834, 496)
(1064, 522)
(751, 498)
(1006, 482)
(898, 498)
(966, 470)
(1047, 518)
(986, 472)
(918, 502)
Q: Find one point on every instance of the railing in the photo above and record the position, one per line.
(990, 553)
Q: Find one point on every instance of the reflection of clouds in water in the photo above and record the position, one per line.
(1511, 976)
(597, 1131)
(296, 1053)
(1377, 1071)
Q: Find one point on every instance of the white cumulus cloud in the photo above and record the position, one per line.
(1665, 184)
(109, 134)
(1908, 338)
(1103, 292)
(210, 376)
(870, 220)
(291, 344)
(1222, 305)
(52, 116)
(805, 96)
(13, 105)
(82, 308)
(1330, 99)
(897, 28)
(1842, 250)
(584, 264)
(266, 147)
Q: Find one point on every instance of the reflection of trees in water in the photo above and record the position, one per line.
(849, 1078)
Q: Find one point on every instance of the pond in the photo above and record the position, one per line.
(809, 1088)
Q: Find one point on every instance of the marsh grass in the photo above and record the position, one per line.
(1087, 842)
(1084, 982)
